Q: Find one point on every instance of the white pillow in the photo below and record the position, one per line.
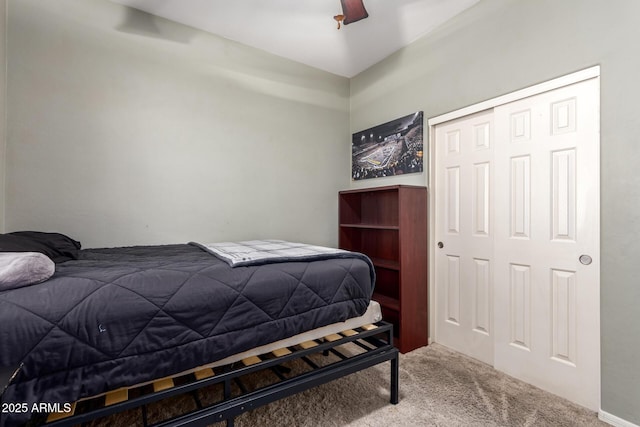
(19, 269)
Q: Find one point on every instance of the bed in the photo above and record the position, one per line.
(112, 318)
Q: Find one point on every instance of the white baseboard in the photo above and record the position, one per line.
(613, 420)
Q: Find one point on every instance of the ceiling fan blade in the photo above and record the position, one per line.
(353, 10)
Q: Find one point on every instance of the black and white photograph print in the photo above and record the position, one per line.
(392, 148)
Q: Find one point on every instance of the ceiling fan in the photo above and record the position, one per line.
(352, 11)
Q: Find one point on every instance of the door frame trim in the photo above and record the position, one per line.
(566, 80)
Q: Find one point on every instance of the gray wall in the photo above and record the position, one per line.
(3, 80)
(165, 135)
(500, 46)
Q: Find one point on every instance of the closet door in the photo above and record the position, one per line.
(546, 256)
(517, 261)
(464, 229)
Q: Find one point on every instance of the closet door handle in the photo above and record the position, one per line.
(585, 259)
(440, 245)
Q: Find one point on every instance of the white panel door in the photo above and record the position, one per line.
(547, 216)
(464, 227)
(517, 212)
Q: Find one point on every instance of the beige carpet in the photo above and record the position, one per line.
(438, 387)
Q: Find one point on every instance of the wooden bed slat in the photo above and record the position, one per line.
(349, 333)
(204, 373)
(251, 360)
(332, 337)
(55, 416)
(281, 352)
(369, 327)
(116, 396)
(308, 344)
(163, 384)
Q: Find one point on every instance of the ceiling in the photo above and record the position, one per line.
(305, 31)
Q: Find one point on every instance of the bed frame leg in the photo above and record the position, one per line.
(227, 389)
(145, 422)
(227, 396)
(395, 373)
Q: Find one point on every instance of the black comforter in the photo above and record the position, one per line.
(118, 317)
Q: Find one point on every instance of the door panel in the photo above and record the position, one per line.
(547, 302)
(464, 314)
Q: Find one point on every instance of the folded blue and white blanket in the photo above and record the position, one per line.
(256, 252)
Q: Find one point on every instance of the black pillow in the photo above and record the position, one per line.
(58, 247)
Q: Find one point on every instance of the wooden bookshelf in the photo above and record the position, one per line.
(389, 224)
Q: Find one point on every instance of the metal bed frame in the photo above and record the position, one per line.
(375, 343)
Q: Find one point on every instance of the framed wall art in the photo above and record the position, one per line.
(392, 148)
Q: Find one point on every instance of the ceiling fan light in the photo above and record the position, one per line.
(353, 10)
